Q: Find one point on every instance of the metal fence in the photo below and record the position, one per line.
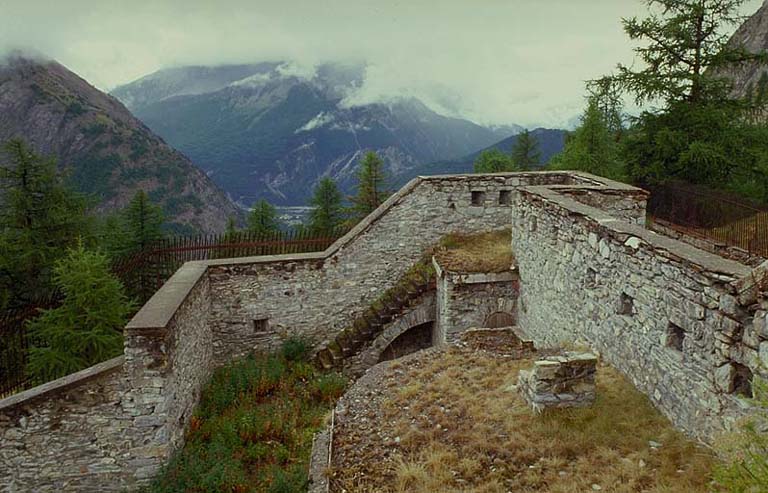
(711, 215)
(142, 274)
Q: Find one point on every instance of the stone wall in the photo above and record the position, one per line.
(467, 300)
(566, 380)
(256, 302)
(684, 325)
(113, 425)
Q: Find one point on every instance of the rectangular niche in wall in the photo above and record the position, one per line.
(675, 337)
(478, 197)
(626, 305)
(260, 324)
(505, 197)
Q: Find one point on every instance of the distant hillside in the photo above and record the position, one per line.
(262, 131)
(551, 142)
(106, 151)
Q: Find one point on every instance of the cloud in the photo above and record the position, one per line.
(494, 61)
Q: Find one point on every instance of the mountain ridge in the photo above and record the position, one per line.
(106, 152)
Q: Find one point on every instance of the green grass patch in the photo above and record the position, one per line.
(252, 431)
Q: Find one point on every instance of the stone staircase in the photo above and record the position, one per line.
(406, 294)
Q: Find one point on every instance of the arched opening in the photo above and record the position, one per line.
(500, 319)
(414, 339)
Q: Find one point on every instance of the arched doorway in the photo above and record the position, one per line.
(414, 339)
(500, 319)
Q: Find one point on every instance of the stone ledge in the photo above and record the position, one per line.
(61, 384)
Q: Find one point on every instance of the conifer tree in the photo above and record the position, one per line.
(591, 147)
(87, 328)
(494, 161)
(371, 185)
(525, 153)
(39, 219)
(143, 222)
(262, 220)
(327, 214)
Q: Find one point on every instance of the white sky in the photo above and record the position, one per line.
(493, 61)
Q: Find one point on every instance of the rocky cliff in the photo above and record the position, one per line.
(105, 151)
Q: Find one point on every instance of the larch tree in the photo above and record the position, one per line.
(327, 214)
(143, 222)
(525, 152)
(262, 219)
(371, 186)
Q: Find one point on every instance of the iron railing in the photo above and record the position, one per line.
(711, 215)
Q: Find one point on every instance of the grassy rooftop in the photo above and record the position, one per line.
(484, 252)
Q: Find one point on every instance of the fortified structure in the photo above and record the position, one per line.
(688, 327)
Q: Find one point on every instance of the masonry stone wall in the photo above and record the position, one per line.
(256, 303)
(687, 327)
(113, 425)
(467, 300)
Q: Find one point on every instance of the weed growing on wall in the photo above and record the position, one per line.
(252, 431)
(747, 470)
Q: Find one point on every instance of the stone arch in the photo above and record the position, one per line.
(500, 319)
(423, 315)
(412, 340)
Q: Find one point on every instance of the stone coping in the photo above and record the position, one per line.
(61, 384)
(709, 262)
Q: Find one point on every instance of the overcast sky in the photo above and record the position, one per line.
(493, 61)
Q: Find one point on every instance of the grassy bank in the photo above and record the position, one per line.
(252, 431)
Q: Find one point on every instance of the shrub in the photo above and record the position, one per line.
(295, 349)
(328, 387)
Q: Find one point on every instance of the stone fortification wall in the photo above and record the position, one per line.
(686, 326)
(256, 302)
(113, 425)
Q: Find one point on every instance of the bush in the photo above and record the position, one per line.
(295, 349)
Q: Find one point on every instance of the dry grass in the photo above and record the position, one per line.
(485, 252)
(459, 428)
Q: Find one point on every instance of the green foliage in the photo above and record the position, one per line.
(327, 214)
(143, 222)
(252, 431)
(494, 161)
(371, 186)
(262, 220)
(592, 147)
(525, 153)
(39, 220)
(295, 349)
(683, 43)
(87, 328)
(746, 470)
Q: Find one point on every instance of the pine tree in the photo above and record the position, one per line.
(87, 328)
(327, 214)
(39, 219)
(494, 161)
(371, 186)
(143, 222)
(525, 153)
(262, 220)
(591, 147)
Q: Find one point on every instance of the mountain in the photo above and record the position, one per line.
(270, 131)
(753, 35)
(551, 142)
(105, 150)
